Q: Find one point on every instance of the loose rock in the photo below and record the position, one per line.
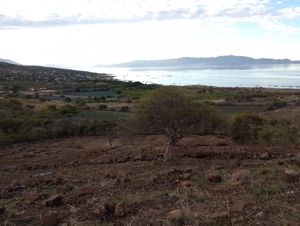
(295, 160)
(291, 176)
(237, 219)
(241, 176)
(186, 176)
(265, 156)
(120, 210)
(55, 200)
(175, 214)
(260, 214)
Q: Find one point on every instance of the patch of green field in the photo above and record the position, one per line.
(214, 95)
(113, 116)
(136, 93)
(233, 110)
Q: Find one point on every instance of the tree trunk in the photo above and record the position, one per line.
(167, 155)
(110, 142)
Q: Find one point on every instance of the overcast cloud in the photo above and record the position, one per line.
(35, 31)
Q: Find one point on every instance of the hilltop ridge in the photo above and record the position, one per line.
(203, 61)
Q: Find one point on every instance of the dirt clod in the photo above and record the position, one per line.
(237, 206)
(214, 177)
(110, 206)
(50, 219)
(265, 156)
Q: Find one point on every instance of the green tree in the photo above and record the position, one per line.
(173, 113)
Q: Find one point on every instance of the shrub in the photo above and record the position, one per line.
(102, 107)
(276, 104)
(246, 126)
(279, 135)
(42, 99)
(102, 99)
(68, 99)
(124, 109)
(51, 107)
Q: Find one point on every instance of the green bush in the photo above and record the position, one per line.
(68, 99)
(102, 107)
(276, 104)
(246, 127)
(124, 109)
(279, 135)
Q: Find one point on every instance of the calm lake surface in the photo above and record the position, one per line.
(278, 76)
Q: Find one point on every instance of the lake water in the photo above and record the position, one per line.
(278, 76)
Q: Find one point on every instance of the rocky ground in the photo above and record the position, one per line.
(210, 181)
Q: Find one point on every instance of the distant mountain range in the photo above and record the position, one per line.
(202, 62)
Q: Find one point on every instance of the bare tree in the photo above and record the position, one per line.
(110, 131)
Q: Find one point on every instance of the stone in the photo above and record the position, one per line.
(100, 211)
(186, 184)
(50, 219)
(55, 200)
(214, 178)
(291, 176)
(120, 210)
(186, 176)
(260, 214)
(241, 176)
(295, 160)
(237, 220)
(265, 156)
(42, 174)
(175, 214)
(157, 223)
(222, 214)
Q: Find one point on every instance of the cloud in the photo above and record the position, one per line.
(57, 13)
(290, 13)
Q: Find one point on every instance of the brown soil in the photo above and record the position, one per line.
(209, 181)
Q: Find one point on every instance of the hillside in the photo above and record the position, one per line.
(13, 72)
(211, 61)
(7, 61)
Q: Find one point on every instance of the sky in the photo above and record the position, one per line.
(83, 33)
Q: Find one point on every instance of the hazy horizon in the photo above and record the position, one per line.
(84, 33)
